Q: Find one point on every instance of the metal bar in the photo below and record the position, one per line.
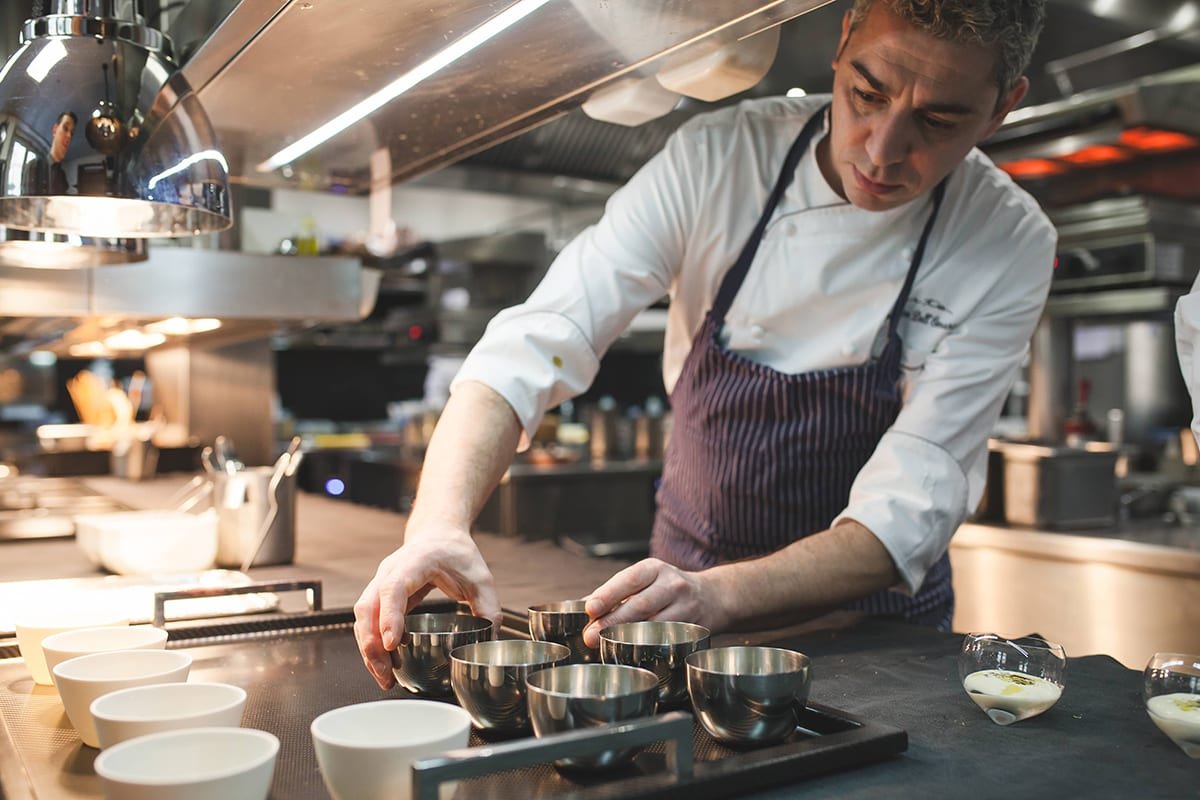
(1058, 68)
(675, 728)
(312, 590)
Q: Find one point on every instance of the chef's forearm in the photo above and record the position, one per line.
(807, 578)
(471, 447)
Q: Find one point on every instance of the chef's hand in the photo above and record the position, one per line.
(654, 590)
(434, 558)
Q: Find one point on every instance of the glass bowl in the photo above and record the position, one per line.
(1171, 689)
(1011, 679)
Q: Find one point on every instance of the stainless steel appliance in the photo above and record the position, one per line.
(43, 508)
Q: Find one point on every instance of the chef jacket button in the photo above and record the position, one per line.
(848, 349)
(791, 229)
(757, 331)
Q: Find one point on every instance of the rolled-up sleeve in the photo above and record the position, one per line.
(548, 349)
(929, 469)
(1187, 335)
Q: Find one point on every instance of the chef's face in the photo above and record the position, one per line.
(907, 108)
(61, 135)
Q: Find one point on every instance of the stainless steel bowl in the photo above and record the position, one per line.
(421, 662)
(588, 696)
(748, 695)
(489, 680)
(660, 647)
(563, 623)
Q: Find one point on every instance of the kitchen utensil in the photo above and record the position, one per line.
(193, 764)
(81, 680)
(256, 517)
(1171, 691)
(421, 662)
(660, 647)
(488, 678)
(149, 542)
(34, 624)
(748, 695)
(365, 750)
(590, 695)
(143, 710)
(1011, 679)
(563, 622)
(84, 641)
(1059, 487)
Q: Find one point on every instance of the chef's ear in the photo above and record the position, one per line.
(845, 37)
(1015, 96)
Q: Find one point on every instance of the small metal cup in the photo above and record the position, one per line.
(588, 696)
(660, 647)
(563, 622)
(421, 662)
(489, 680)
(748, 695)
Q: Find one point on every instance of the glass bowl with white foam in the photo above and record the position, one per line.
(1011, 679)
(1171, 689)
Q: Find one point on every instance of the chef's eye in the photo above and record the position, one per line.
(938, 124)
(867, 98)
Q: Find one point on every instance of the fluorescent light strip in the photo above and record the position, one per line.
(443, 58)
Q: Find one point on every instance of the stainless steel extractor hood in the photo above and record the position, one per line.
(273, 71)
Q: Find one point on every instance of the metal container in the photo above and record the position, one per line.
(660, 647)
(1059, 487)
(421, 662)
(563, 623)
(256, 517)
(748, 695)
(488, 678)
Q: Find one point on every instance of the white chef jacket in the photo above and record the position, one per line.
(817, 296)
(1187, 344)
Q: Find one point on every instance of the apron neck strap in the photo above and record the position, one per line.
(733, 279)
(939, 192)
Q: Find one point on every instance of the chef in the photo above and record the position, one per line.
(852, 289)
(1187, 345)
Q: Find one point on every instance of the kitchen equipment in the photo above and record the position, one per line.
(1171, 691)
(149, 542)
(196, 764)
(1059, 487)
(1011, 679)
(661, 647)
(563, 622)
(142, 710)
(256, 515)
(488, 679)
(589, 695)
(85, 641)
(82, 679)
(748, 695)
(35, 623)
(296, 667)
(365, 750)
(134, 458)
(421, 662)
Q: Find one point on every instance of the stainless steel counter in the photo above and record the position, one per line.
(338, 543)
(1127, 591)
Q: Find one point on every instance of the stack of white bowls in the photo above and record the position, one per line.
(161, 736)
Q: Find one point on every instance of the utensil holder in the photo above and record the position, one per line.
(256, 517)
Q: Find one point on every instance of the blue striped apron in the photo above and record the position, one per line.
(759, 458)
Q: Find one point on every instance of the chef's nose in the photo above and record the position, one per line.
(890, 141)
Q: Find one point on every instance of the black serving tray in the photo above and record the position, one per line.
(296, 667)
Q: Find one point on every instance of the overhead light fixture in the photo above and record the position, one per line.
(427, 68)
(133, 339)
(103, 138)
(181, 326)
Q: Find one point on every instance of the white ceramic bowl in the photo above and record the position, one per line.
(36, 625)
(160, 707)
(84, 641)
(148, 542)
(81, 680)
(366, 751)
(192, 764)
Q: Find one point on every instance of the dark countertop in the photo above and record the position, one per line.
(1097, 742)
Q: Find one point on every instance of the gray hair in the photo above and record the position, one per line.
(1010, 26)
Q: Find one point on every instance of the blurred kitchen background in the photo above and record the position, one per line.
(357, 277)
